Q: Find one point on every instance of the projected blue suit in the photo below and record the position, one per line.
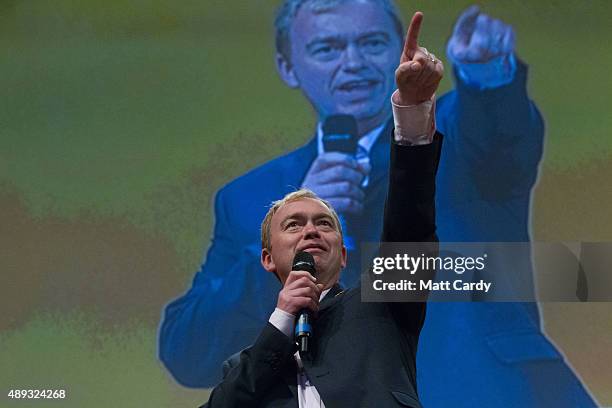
(470, 354)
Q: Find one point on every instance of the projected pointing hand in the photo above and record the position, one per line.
(477, 37)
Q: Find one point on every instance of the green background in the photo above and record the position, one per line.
(117, 125)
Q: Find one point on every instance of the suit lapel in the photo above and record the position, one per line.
(290, 378)
(295, 169)
(314, 370)
(379, 155)
(333, 297)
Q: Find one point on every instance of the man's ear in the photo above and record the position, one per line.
(286, 72)
(267, 262)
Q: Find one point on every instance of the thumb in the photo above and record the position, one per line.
(459, 54)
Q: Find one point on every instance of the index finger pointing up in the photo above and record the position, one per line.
(412, 37)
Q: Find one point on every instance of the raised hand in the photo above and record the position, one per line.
(419, 72)
(477, 37)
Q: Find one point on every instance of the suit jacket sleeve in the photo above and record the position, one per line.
(410, 214)
(496, 132)
(258, 369)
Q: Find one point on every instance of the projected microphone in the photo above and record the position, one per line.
(340, 135)
(303, 261)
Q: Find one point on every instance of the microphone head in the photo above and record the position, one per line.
(303, 261)
(340, 134)
(339, 124)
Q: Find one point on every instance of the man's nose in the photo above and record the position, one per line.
(353, 58)
(310, 230)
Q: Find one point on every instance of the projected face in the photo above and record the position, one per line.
(344, 60)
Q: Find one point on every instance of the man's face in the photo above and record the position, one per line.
(344, 60)
(305, 225)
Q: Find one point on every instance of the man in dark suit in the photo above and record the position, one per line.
(361, 354)
(493, 144)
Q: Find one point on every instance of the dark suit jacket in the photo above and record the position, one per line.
(362, 354)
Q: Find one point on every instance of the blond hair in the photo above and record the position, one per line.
(266, 224)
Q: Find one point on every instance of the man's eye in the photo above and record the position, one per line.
(325, 223)
(374, 46)
(325, 52)
(292, 225)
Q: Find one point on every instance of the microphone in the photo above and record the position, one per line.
(340, 135)
(303, 261)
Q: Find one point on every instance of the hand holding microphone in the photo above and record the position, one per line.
(300, 292)
(336, 175)
(300, 295)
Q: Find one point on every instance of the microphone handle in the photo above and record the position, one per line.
(303, 330)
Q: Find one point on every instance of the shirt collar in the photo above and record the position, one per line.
(324, 293)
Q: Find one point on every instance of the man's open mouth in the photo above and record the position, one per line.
(357, 85)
